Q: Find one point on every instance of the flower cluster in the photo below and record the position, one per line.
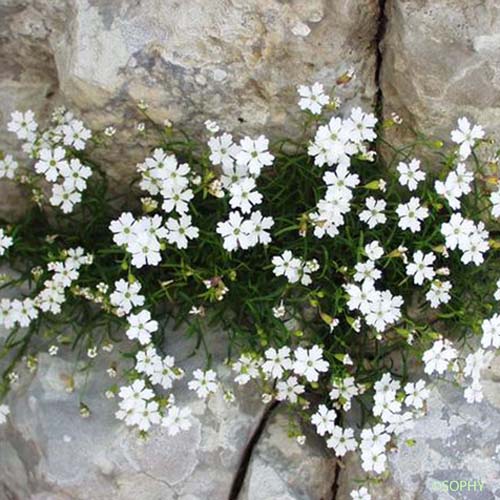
(55, 153)
(50, 298)
(319, 263)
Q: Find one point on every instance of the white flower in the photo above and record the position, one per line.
(495, 203)
(361, 297)
(497, 293)
(64, 198)
(466, 136)
(341, 179)
(366, 271)
(176, 197)
(439, 356)
(373, 250)
(457, 183)
(23, 125)
(247, 368)
(491, 332)
(110, 131)
(5, 242)
(211, 126)
(233, 174)
(4, 411)
(374, 212)
(373, 460)
(223, 150)
(341, 440)
(277, 361)
(24, 311)
(287, 265)
(141, 326)
(260, 225)
(126, 296)
(312, 98)
(474, 393)
(145, 249)
(475, 246)
(179, 231)
(8, 167)
(475, 362)
(165, 373)
(309, 363)
(244, 195)
(53, 350)
(411, 214)
(135, 394)
(50, 163)
(416, 394)
(410, 174)
(383, 309)
(75, 175)
(176, 420)
(332, 144)
(279, 311)
(76, 135)
(147, 416)
(361, 494)
(289, 390)
(375, 438)
(439, 293)
(148, 361)
(343, 390)
(204, 383)
(361, 126)
(235, 231)
(254, 154)
(123, 228)
(324, 420)
(421, 268)
(457, 231)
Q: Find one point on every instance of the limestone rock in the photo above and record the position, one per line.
(455, 441)
(441, 60)
(49, 451)
(235, 61)
(282, 469)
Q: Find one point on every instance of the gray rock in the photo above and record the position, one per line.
(455, 441)
(235, 61)
(441, 60)
(281, 469)
(48, 449)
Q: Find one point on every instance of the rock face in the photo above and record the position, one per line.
(48, 451)
(282, 469)
(440, 61)
(456, 454)
(235, 61)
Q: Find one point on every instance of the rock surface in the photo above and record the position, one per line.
(455, 441)
(440, 61)
(235, 61)
(282, 469)
(48, 451)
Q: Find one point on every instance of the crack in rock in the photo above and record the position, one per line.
(246, 456)
(379, 37)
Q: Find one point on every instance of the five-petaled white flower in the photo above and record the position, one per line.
(466, 136)
(312, 98)
(411, 215)
(310, 363)
(410, 174)
(141, 326)
(254, 154)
